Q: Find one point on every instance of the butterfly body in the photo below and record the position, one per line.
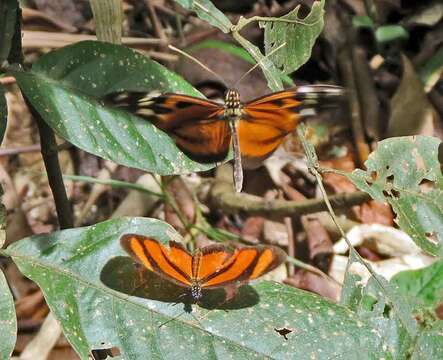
(204, 130)
(212, 266)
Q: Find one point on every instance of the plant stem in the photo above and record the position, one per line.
(52, 165)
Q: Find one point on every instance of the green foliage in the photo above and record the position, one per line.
(380, 304)
(429, 345)
(297, 34)
(423, 286)
(388, 33)
(405, 172)
(433, 68)
(103, 300)
(362, 21)
(8, 322)
(64, 87)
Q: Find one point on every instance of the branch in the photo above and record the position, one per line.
(223, 196)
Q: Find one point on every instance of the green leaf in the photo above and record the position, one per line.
(8, 321)
(423, 285)
(429, 345)
(206, 10)
(8, 17)
(389, 33)
(108, 17)
(405, 172)
(380, 304)
(393, 319)
(352, 290)
(362, 21)
(102, 300)
(298, 36)
(64, 85)
(3, 113)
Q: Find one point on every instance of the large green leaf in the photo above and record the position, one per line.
(102, 300)
(206, 10)
(405, 172)
(8, 321)
(298, 36)
(64, 86)
(423, 285)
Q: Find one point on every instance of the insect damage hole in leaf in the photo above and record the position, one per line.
(411, 181)
(299, 34)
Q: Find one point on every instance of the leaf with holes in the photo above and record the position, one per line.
(379, 303)
(297, 34)
(103, 300)
(405, 172)
(64, 87)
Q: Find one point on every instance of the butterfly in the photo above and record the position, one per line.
(204, 129)
(212, 266)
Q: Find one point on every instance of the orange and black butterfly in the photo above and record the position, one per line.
(204, 129)
(213, 266)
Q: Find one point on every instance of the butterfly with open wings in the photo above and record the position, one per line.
(204, 129)
(212, 266)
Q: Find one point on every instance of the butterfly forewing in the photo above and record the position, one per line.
(237, 269)
(266, 122)
(156, 258)
(212, 259)
(196, 125)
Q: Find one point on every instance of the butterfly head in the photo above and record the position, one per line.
(233, 106)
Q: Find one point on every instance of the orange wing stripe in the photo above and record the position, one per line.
(135, 248)
(180, 257)
(161, 261)
(213, 259)
(238, 268)
(269, 259)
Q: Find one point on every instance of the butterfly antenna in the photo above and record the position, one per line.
(257, 64)
(190, 57)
